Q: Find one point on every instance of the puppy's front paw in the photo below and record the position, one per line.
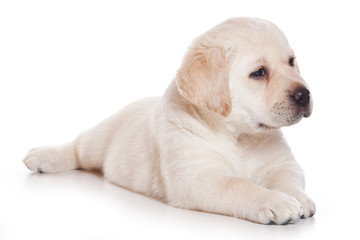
(307, 204)
(273, 207)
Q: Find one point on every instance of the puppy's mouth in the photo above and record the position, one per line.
(267, 127)
(301, 112)
(287, 119)
(306, 112)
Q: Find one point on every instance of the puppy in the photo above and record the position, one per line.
(212, 142)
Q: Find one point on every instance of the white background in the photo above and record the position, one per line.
(65, 65)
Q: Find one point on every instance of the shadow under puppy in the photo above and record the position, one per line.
(212, 141)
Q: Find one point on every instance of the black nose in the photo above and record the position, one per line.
(301, 96)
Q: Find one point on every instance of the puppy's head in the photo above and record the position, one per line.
(245, 70)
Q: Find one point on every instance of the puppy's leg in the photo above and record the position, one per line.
(52, 158)
(88, 152)
(287, 177)
(235, 197)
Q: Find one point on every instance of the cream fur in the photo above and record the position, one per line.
(212, 141)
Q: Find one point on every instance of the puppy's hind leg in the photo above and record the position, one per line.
(52, 159)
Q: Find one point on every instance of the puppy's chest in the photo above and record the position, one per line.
(244, 158)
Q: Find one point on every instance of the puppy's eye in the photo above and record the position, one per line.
(291, 61)
(261, 73)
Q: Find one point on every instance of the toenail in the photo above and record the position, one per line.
(286, 222)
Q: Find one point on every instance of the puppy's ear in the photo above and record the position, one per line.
(204, 80)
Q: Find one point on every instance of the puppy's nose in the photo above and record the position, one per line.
(301, 96)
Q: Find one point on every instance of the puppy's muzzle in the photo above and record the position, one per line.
(301, 97)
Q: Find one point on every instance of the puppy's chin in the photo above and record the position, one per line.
(278, 124)
(294, 121)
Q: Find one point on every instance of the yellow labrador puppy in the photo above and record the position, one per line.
(212, 141)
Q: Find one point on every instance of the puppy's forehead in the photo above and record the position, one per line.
(256, 36)
(262, 36)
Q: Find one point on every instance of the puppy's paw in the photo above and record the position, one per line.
(273, 207)
(307, 204)
(47, 160)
